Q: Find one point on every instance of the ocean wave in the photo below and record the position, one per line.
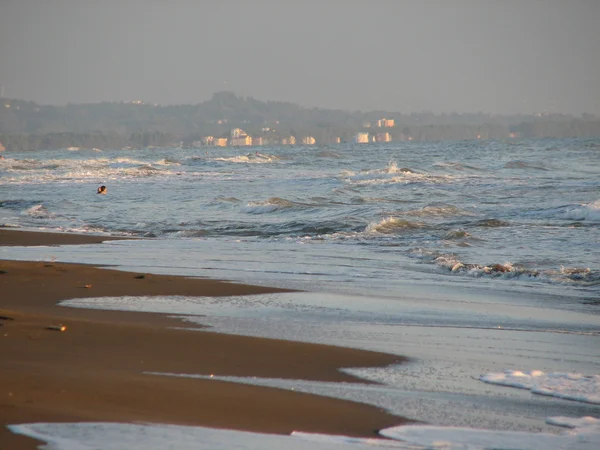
(38, 211)
(517, 164)
(167, 162)
(327, 154)
(271, 205)
(18, 204)
(438, 210)
(506, 270)
(569, 386)
(392, 225)
(391, 174)
(574, 275)
(456, 235)
(580, 276)
(222, 199)
(147, 169)
(250, 158)
(585, 212)
(23, 164)
(294, 230)
(456, 166)
(492, 223)
(32, 170)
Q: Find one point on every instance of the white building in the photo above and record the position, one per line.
(361, 138)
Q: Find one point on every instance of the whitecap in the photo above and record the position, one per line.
(392, 225)
(272, 204)
(454, 438)
(569, 386)
(584, 434)
(391, 174)
(587, 211)
(438, 210)
(38, 211)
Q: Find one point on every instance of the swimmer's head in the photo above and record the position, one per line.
(101, 190)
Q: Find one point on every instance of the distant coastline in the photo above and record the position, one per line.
(228, 120)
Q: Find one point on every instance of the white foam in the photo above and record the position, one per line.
(569, 386)
(119, 436)
(392, 225)
(270, 205)
(38, 211)
(574, 422)
(250, 158)
(449, 438)
(390, 174)
(587, 211)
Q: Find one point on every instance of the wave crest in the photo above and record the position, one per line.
(392, 225)
(523, 165)
(587, 211)
(270, 205)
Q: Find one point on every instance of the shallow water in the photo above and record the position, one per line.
(470, 258)
(508, 216)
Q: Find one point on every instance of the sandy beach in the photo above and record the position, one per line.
(95, 369)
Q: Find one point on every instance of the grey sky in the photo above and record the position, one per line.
(496, 56)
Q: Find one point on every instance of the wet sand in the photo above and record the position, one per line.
(94, 371)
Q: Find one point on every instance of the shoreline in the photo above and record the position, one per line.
(10, 237)
(94, 371)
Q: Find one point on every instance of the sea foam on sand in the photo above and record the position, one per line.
(568, 386)
(584, 434)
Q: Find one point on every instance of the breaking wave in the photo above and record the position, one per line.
(587, 212)
(457, 234)
(273, 204)
(67, 170)
(390, 174)
(580, 276)
(392, 225)
(38, 212)
(492, 223)
(438, 210)
(250, 158)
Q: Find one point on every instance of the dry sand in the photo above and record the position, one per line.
(94, 371)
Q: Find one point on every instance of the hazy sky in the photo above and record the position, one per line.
(496, 56)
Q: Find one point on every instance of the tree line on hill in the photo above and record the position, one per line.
(26, 125)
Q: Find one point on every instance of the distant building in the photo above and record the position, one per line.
(383, 137)
(242, 141)
(2, 147)
(220, 142)
(258, 141)
(308, 140)
(239, 138)
(385, 123)
(289, 141)
(361, 138)
(238, 132)
(208, 140)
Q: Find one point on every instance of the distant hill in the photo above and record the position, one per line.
(27, 125)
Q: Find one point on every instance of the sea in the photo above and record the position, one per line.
(477, 260)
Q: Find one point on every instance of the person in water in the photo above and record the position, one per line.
(101, 190)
